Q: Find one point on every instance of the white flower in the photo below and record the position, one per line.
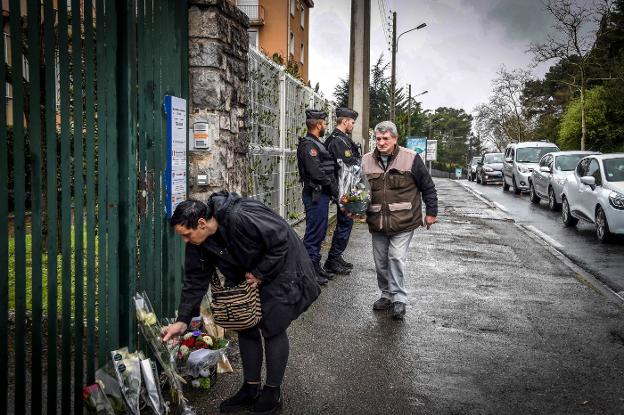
(195, 383)
(188, 335)
(207, 340)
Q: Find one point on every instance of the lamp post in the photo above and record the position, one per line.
(409, 107)
(395, 43)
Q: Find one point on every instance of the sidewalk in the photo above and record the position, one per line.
(496, 324)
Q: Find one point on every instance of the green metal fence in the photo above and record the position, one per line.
(82, 196)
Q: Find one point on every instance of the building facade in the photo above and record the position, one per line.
(280, 27)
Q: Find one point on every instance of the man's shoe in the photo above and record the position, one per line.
(398, 311)
(321, 273)
(333, 265)
(344, 263)
(382, 304)
(269, 402)
(245, 398)
(321, 281)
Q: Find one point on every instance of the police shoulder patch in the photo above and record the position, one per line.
(313, 152)
(348, 153)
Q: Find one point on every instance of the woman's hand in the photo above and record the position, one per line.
(173, 330)
(252, 279)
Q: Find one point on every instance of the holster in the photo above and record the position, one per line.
(316, 193)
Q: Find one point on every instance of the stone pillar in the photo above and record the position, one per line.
(359, 69)
(218, 95)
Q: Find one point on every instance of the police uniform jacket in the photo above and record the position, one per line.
(342, 147)
(252, 238)
(316, 166)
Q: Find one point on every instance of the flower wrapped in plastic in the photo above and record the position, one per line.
(354, 189)
(198, 357)
(128, 370)
(96, 400)
(165, 353)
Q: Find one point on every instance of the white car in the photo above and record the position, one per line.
(595, 194)
(520, 160)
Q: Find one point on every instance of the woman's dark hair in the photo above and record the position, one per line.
(189, 212)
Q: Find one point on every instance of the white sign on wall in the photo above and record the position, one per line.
(432, 150)
(175, 111)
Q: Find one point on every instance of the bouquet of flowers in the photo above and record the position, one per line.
(96, 400)
(215, 331)
(128, 370)
(198, 357)
(165, 353)
(153, 395)
(353, 188)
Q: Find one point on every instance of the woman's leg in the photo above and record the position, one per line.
(276, 349)
(250, 345)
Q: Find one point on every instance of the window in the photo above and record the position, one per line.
(293, 7)
(301, 59)
(594, 171)
(582, 167)
(303, 11)
(253, 37)
(291, 44)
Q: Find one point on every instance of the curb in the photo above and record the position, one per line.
(554, 247)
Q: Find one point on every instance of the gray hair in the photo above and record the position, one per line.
(387, 126)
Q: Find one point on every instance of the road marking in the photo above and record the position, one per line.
(582, 275)
(545, 237)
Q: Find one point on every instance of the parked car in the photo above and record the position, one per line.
(595, 194)
(546, 182)
(519, 162)
(472, 168)
(490, 168)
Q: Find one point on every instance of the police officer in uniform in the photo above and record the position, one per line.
(316, 173)
(342, 147)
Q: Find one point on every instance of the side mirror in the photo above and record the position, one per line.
(508, 159)
(589, 181)
(545, 169)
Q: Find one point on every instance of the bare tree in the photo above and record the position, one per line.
(576, 23)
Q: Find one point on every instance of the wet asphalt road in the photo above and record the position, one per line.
(579, 243)
(495, 325)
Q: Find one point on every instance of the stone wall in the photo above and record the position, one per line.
(218, 47)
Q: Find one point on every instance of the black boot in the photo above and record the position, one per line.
(333, 265)
(321, 274)
(344, 263)
(269, 402)
(245, 398)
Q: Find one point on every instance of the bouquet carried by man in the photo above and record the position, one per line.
(353, 188)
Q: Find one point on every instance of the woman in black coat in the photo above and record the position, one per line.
(246, 240)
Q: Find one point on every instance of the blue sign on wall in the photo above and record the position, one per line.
(418, 144)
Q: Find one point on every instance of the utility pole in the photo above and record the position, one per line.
(359, 69)
(393, 77)
(409, 110)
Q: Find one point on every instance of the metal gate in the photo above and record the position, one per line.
(82, 196)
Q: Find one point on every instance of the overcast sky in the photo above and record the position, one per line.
(455, 57)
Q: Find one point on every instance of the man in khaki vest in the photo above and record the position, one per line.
(399, 184)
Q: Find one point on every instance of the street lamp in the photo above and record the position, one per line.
(395, 41)
(409, 106)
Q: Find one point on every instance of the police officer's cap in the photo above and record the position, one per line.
(312, 114)
(346, 113)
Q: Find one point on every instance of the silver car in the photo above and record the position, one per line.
(490, 168)
(595, 194)
(546, 182)
(520, 161)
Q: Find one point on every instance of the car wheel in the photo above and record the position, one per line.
(602, 226)
(515, 185)
(534, 198)
(566, 216)
(552, 201)
(505, 185)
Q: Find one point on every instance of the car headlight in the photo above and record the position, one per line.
(522, 169)
(617, 200)
(488, 169)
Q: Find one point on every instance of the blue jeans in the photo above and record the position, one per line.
(316, 224)
(341, 235)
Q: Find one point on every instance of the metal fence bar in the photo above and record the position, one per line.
(282, 144)
(52, 203)
(34, 19)
(102, 201)
(90, 188)
(159, 156)
(66, 245)
(4, 242)
(77, 86)
(19, 144)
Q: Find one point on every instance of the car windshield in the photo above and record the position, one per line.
(614, 169)
(532, 154)
(568, 162)
(494, 158)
